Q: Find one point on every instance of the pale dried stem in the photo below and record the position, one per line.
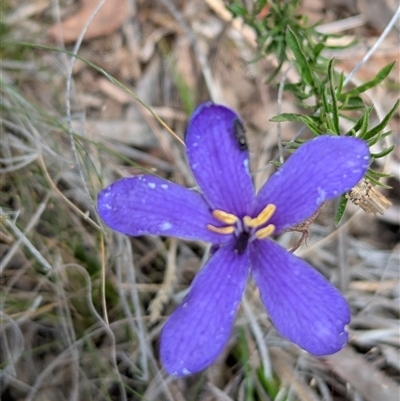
(68, 102)
(64, 312)
(24, 240)
(125, 270)
(257, 331)
(31, 224)
(165, 292)
(375, 47)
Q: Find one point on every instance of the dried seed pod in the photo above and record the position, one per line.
(368, 198)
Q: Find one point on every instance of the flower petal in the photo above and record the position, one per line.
(303, 306)
(199, 328)
(218, 159)
(319, 170)
(146, 204)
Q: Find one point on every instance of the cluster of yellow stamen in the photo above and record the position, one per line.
(250, 222)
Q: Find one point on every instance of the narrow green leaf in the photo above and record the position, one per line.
(294, 144)
(309, 121)
(377, 174)
(276, 72)
(358, 125)
(318, 49)
(296, 90)
(269, 384)
(372, 132)
(340, 209)
(328, 125)
(275, 163)
(376, 182)
(335, 111)
(352, 103)
(244, 356)
(381, 135)
(340, 85)
(380, 76)
(383, 153)
(283, 117)
(375, 139)
(365, 121)
(302, 64)
(324, 98)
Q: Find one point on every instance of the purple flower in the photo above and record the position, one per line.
(303, 306)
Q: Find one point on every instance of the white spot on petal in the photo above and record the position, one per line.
(164, 186)
(186, 371)
(166, 225)
(246, 164)
(151, 185)
(321, 195)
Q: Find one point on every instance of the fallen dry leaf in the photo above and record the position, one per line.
(107, 20)
(371, 383)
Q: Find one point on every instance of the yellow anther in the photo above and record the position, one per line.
(265, 232)
(267, 213)
(221, 230)
(249, 222)
(227, 218)
(262, 218)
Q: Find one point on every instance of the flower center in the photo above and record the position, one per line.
(246, 229)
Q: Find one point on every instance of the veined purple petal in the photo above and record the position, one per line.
(218, 158)
(146, 204)
(319, 170)
(303, 306)
(198, 330)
